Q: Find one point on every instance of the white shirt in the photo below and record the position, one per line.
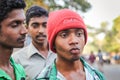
(88, 75)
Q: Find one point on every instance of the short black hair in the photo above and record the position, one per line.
(7, 6)
(35, 11)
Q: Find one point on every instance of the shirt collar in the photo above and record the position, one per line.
(32, 50)
(4, 75)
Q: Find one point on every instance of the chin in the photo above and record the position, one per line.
(19, 46)
(75, 58)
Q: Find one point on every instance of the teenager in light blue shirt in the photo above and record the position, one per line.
(37, 54)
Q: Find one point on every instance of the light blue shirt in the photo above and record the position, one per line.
(32, 60)
(88, 75)
(51, 73)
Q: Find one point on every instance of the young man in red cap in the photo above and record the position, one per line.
(67, 36)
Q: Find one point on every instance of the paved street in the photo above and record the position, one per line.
(111, 71)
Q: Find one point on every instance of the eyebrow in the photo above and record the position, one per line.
(16, 21)
(35, 23)
(76, 29)
(79, 29)
(39, 23)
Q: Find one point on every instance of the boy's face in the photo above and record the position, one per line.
(13, 31)
(69, 44)
(37, 30)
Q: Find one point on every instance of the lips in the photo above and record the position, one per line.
(75, 51)
(41, 37)
(21, 40)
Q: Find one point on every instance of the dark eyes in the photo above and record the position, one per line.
(44, 25)
(79, 34)
(63, 35)
(36, 25)
(66, 34)
(17, 23)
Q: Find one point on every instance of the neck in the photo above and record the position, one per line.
(5, 54)
(42, 48)
(68, 66)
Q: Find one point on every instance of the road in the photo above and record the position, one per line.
(111, 71)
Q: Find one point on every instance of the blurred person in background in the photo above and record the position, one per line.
(92, 57)
(117, 58)
(100, 60)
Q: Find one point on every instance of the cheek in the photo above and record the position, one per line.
(12, 35)
(61, 46)
(32, 32)
(9, 33)
(82, 41)
(45, 31)
(8, 37)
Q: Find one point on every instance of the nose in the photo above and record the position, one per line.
(73, 39)
(24, 29)
(41, 29)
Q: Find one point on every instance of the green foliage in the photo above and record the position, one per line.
(112, 39)
(94, 32)
(35, 2)
(81, 5)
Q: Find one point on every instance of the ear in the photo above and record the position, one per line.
(54, 47)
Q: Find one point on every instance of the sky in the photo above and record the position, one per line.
(102, 10)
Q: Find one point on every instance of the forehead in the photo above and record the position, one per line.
(73, 29)
(39, 19)
(17, 14)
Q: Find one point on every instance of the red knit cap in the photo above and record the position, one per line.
(61, 20)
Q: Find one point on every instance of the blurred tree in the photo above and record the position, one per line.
(94, 32)
(36, 2)
(112, 39)
(81, 5)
